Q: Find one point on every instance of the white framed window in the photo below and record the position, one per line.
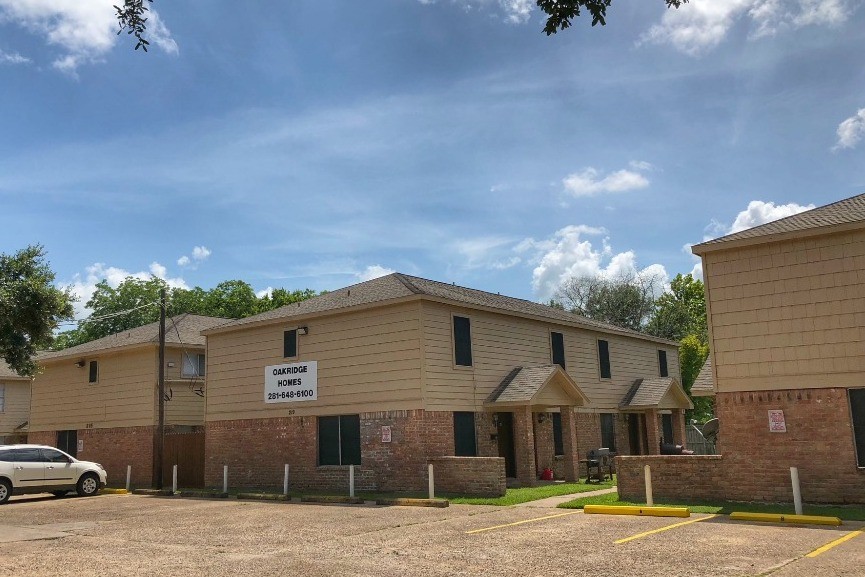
(193, 365)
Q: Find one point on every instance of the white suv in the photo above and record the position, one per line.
(43, 469)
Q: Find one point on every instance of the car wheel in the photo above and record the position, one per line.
(5, 490)
(59, 493)
(88, 485)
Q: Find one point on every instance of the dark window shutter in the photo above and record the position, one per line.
(201, 365)
(349, 431)
(558, 441)
(328, 440)
(557, 342)
(604, 359)
(289, 343)
(608, 432)
(94, 372)
(462, 342)
(464, 434)
(857, 409)
(662, 363)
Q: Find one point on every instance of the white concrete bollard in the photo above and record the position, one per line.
(128, 477)
(432, 483)
(650, 501)
(225, 478)
(285, 481)
(351, 480)
(174, 479)
(797, 491)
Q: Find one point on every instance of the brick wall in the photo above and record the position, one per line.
(114, 449)
(675, 478)
(256, 451)
(478, 476)
(819, 441)
(755, 463)
(544, 442)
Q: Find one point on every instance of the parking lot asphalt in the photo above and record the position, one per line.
(138, 535)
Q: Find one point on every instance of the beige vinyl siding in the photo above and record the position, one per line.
(368, 360)
(16, 408)
(124, 396)
(789, 314)
(184, 407)
(502, 342)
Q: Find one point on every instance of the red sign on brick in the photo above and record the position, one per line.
(776, 421)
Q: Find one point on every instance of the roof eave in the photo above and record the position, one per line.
(720, 244)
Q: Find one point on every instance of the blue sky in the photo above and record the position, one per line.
(317, 144)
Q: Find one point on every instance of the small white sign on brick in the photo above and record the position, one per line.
(777, 424)
(385, 434)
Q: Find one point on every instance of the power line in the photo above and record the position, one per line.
(107, 316)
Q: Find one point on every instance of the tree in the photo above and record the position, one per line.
(692, 354)
(132, 15)
(135, 303)
(31, 307)
(626, 300)
(560, 13)
(681, 311)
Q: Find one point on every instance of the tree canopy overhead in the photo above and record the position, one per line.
(132, 15)
(135, 303)
(626, 300)
(31, 307)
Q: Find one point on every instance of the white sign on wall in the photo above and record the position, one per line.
(291, 383)
(80, 444)
(385, 434)
(777, 424)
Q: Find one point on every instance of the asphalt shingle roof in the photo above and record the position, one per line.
(521, 384)
(397, 285)
(7, 373)
(847, 211)
(646, 392)
(181, 329)
(704, 384)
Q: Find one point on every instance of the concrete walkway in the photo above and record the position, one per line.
(552, 502)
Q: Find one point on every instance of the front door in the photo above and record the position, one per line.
(505, 436)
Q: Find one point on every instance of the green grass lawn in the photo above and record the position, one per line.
(525, 494)
(849, 513)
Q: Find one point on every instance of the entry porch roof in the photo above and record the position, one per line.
(541, 387)
(657, 393)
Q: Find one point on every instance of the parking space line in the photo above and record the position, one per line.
(835, 543)
(667, 528)
(521, 522)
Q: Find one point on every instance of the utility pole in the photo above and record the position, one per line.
(160, 427)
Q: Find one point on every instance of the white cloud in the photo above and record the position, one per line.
(701, 25)
(590, 182)
(516, 11)
(85, 30)
(12, 58)
(568, 253)
(486, 252)
(759, 212)
(268, 292)
(199, 255)
(373, 271)
(83, 285)
(851, 131)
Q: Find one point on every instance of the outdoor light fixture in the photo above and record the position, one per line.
(80, 364)
(542, 417)
(303, 330)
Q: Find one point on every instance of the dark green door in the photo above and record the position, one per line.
(505, 435)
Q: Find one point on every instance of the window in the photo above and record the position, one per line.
(662, 364)
(608, 431)
(289, 343)
(464, 434)
(558, 441)
(462, 342)
(6, 456)
(339, 440)
(857, 412)
(2, 398)
(557, 344)
(27, 456)
(193, 365)
(53, 456)
(94, 372)
(604, 359)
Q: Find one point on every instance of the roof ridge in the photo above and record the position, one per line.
(408, 284)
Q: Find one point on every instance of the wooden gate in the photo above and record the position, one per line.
(186, 450)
